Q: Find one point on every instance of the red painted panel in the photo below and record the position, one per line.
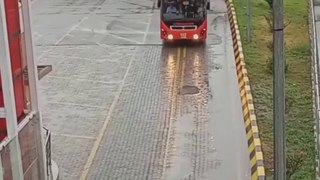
(14, 34)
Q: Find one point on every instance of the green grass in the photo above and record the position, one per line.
(299, 115)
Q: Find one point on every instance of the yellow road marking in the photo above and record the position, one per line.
(176, 100)
(183, 66)
(181, 79)
(183, 63)
(174, 107)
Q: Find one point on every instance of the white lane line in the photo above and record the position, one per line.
(128, 28)
(147, 30)
(71, 29)
(75, 104)
(64, 36)
(105, 32)
(72, 136)
(82, 79)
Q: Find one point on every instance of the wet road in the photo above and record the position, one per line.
(122, 106)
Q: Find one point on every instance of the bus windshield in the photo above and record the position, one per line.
(186, 10)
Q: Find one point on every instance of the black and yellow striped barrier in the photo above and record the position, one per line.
(254, 143)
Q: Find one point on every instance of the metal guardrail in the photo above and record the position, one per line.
(48, 153)
(315, 81)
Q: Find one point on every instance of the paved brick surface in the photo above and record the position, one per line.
(68, 153)
(133, 144)
(108, 52)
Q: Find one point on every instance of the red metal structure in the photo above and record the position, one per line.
(183, 19)
(23, 152)
(14, 35)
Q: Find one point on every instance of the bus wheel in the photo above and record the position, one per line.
(159, 3)
(208, 6)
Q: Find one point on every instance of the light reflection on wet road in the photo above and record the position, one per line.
(122, 106)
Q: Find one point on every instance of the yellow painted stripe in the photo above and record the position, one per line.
(261, 171)
(175, 107)
(249, 134)
(255, 175)
(241, 83)
(259, 155)
(250, 106)
(251, 147)
(245, 78)
(242, 92)
(244, 85)
(184, 52)
(249, 96)
(257, 142)
(248, 122)
(254, 129)
(253, 117)
(244, 101)
(253, 161)
(245, 111)
(244, 70)
(172, 108)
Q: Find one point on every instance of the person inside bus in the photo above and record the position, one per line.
(178, 5)
(172, 9)
(201, 10)
(191, 10)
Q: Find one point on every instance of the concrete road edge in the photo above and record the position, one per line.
(254, 143)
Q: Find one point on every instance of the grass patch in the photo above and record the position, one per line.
(299, 115)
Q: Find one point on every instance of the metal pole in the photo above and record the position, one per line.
(249, 20)
(33, 83)
(279, 91)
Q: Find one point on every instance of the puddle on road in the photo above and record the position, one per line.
(215, 66)
(189, 90)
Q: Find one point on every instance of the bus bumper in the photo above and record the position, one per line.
(173, 35)
(183, 35)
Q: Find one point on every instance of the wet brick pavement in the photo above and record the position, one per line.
(109, 66)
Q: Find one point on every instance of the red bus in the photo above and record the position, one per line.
(183, 19)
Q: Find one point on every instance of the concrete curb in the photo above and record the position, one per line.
(254, 143)
(55, 170)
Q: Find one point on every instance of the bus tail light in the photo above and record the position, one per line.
(164, 33)
(203, 31)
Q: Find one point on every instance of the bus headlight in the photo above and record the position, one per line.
(170, 36)
(195, 36)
